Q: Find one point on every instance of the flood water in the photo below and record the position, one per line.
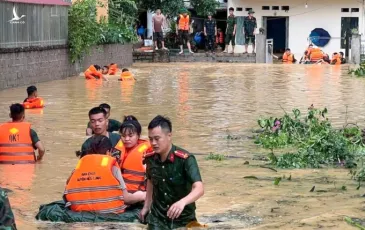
(205, 102)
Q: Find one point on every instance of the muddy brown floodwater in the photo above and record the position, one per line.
(206, 102)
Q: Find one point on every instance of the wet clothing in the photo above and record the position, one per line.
(7, 219)
(249, 26)
(183, 23)
(210, 26)
(210, 42)
(158, 36)
(231, 38)
(114, 138)
(113, 125)
(172, 180)
(343, 60)
(183, 36)
(231, 22)
(157, 23)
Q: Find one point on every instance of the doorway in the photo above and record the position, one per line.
(277, 28)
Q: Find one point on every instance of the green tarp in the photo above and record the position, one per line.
(240, 38)
(56, 212)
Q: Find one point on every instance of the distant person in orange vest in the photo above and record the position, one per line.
(126, 75)
(336, 59)
(33, 101)
(287, 57)
(113, 68)
(132, 149)
(182, 30)
(94, 72)
(96, 184)
(220, 38)
(18, 141)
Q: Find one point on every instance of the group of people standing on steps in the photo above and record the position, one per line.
(213, 35)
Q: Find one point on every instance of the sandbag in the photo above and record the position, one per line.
(56, 212)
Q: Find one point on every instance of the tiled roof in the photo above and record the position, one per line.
(45, 2)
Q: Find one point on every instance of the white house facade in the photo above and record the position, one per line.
(293, 21)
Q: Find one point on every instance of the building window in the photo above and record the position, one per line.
(348, 24)
(345, 10)
(239, 9)
(286, 8)
(265, 7)
(275, 8)
(248, 9)
(54, 11)
(355, 10)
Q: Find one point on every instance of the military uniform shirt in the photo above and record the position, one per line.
(114, 138)
(172, 180)
(210, 26)
(231, 22)
(249, 25)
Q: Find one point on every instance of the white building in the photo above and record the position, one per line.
(294, 20)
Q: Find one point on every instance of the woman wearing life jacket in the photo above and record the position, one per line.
(336, 59)
(132, 150)
(96, 184)
(126, 75)
(33, 101)
(94, 72)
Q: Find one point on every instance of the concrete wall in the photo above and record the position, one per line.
(302, 20)
(33, 66)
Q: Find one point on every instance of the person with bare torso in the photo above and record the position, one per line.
(158, 21)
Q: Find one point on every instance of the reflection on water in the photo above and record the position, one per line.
(204, 101)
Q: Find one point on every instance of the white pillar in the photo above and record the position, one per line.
(149, 24)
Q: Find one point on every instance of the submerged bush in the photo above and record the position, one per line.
(312, 140)
(360, 71)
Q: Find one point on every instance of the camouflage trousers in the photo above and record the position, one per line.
(7, 220)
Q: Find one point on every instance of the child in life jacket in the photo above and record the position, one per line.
(33, 101)
(110, 69)
(126, 75)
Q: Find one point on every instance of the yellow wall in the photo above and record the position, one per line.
(101, 11)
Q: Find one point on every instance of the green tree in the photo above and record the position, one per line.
(123, 12)
(203, 7)
(83, 28)
(172, 8)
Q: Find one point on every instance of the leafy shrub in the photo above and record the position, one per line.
(314, 140)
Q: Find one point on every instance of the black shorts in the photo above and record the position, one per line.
(183, 36)
(231, 38)
(158, 36)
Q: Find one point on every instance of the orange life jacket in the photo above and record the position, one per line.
(316, 54)
(92, 72)
(288, 58)
(133, 169)
(336, 60)
(16, 143)
(220, 38)
(34, 103)
(184, 22)
(92, 186)
(113, 69)
(127, 76)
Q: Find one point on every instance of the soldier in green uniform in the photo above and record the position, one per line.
(231, 30)
(173, 181)
(249, 27)
(113, 125)
(7, 220)
(99, 124)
